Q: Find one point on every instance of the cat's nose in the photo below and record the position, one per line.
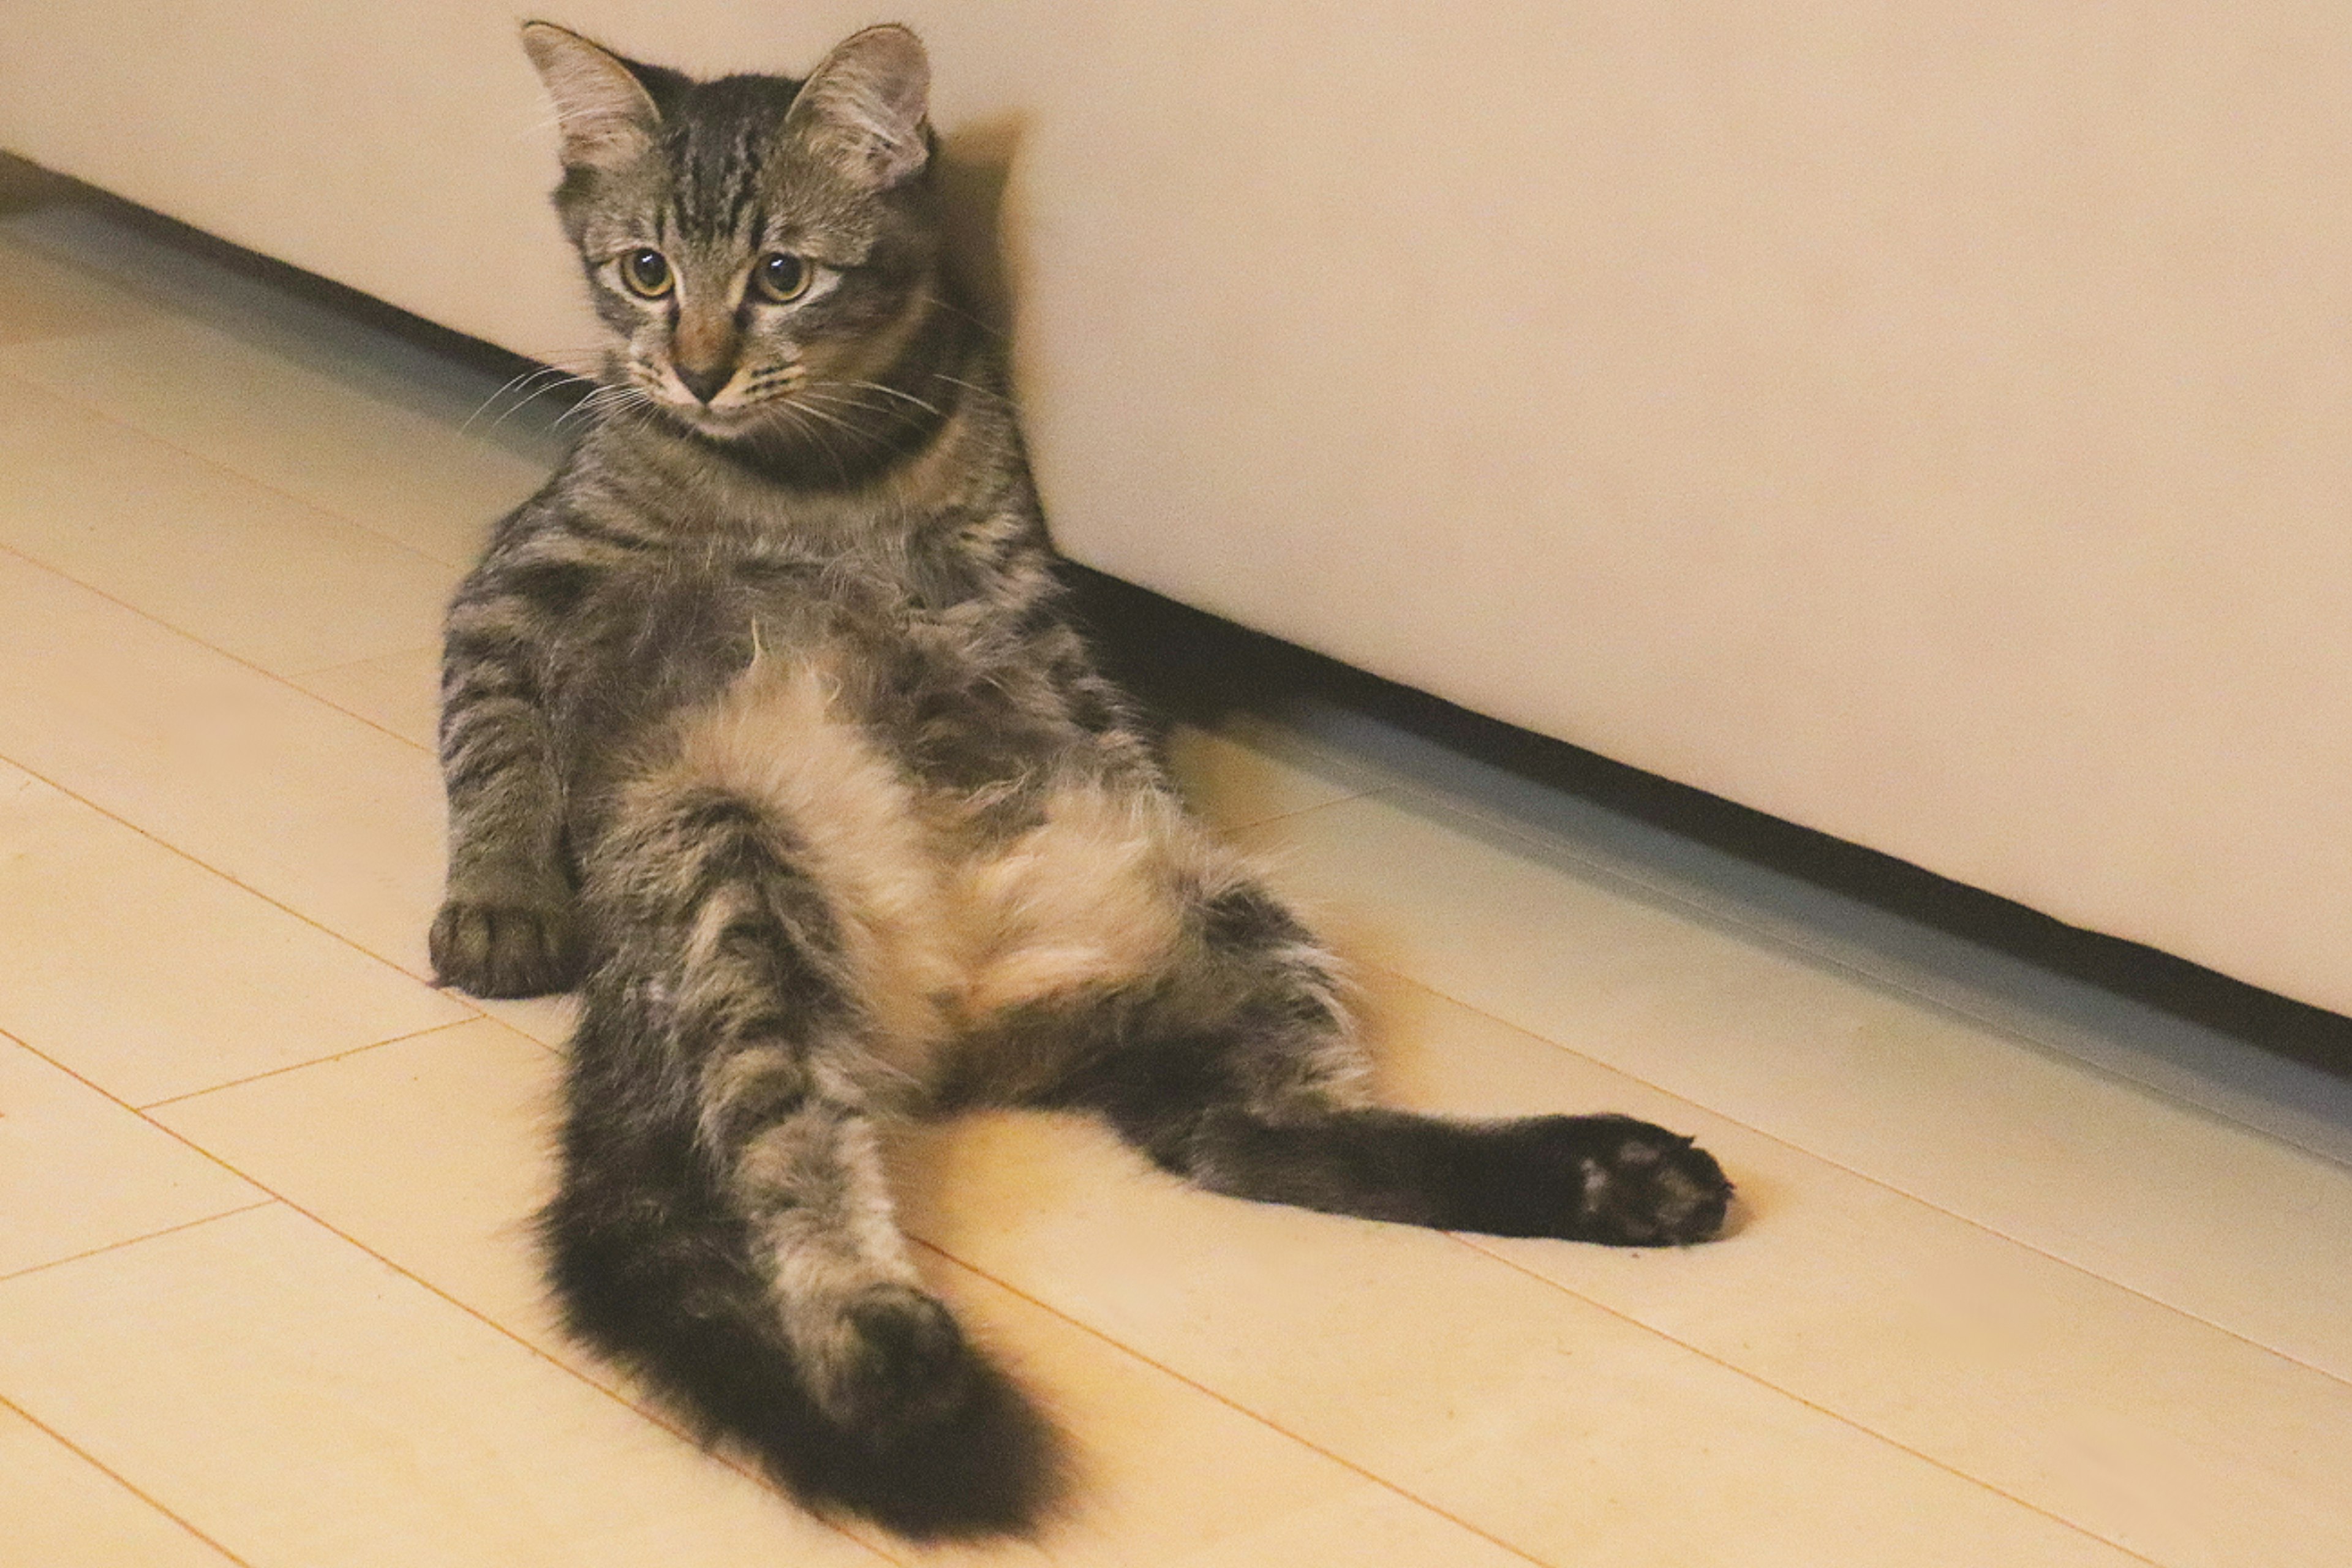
(704, 381)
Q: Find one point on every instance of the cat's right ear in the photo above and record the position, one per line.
(865, 105)
(608, 118)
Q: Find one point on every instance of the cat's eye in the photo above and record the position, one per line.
(782, 279)
(647, 272)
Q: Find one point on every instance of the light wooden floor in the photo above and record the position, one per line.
(2023, 1275)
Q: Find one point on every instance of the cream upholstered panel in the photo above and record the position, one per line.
(1925, 421)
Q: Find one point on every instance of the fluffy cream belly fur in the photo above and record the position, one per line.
(947, 925)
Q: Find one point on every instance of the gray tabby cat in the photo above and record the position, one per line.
(762, 723)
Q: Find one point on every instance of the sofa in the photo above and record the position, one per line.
(1928, 423)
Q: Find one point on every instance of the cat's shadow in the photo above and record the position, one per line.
(975, 165)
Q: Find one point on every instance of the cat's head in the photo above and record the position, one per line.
(761, 250)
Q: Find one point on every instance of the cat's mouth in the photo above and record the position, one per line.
(730, 419)
(723, 419)
(748, 406)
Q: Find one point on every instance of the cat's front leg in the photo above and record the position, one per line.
(507, 924)
(505, 941)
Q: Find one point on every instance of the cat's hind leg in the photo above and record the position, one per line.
(724, 1226)
(1238, 1069)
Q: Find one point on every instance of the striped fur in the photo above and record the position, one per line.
(761, 724)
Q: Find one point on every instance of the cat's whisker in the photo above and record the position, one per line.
(511, 385)
(805, 410)
(940, 302)
(547, 377)
(899, 416)
(637, 416)
(817, 437)
(595, 398)
(971, 386)
(856, 404)
(603, 400)
(795, 403)
(930, 409)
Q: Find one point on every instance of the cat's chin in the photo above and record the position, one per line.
(722, 425)
(766, 439)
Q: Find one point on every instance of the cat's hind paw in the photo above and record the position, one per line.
(925, 1434)
(1608, 1179)
(897, 1361)
(1639, 1185)
(493, 948)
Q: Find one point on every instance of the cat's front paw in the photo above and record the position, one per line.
(491, 947)
(1639, 1185)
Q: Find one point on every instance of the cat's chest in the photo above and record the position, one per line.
(680, 600)
(665, 631)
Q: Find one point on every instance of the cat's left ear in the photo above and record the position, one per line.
(865, 106)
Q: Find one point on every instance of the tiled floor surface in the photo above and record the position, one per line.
(2022, 1276)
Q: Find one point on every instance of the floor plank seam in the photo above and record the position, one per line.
(1819, 1409)
(98, 410)
(1883, 1184)
(238, 659)
(275, 1197)
(123, 1481)
(1257, 825)
(345, 1054)
(229, 877)
(133, 1240)
(1231, 1404)
(341, 666)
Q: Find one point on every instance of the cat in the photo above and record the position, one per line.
(764, 724)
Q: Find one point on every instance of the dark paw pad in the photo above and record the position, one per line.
(496, 949)
(1640, 1185)
(898, 1362)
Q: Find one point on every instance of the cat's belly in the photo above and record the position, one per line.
(950, 921)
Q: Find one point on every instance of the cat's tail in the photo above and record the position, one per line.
(654, 1270)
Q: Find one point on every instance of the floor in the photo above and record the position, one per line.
(2021, 1273)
